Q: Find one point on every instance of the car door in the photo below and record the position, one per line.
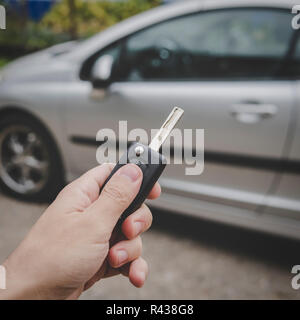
(284, 198)
(220, 67)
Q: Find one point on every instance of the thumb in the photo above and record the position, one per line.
(117, 195)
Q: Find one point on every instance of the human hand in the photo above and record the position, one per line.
(73, 244)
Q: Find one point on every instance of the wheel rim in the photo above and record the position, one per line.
(24, 159)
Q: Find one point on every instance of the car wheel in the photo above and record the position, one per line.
(30, 165)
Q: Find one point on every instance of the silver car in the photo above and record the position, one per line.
(233, 66)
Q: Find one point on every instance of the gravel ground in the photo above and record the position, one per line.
(189, 259)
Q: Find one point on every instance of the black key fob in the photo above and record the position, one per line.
(152, 164)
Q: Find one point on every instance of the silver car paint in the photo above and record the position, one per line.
(47, 84)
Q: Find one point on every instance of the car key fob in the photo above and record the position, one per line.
(149, 160)
(151, 171)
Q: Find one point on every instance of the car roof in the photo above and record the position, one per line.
(249, 3)
(159, 14)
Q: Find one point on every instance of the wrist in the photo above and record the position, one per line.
(17, 285)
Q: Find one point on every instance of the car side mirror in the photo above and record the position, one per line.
(102, 72)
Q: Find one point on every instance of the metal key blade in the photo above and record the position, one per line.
(166, 128)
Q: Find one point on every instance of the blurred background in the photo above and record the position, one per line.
(232, 232)
(35, 25)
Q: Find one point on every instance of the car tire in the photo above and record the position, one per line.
(30, 164)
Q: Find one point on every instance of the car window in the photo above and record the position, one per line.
(291, 67)
(232, 44)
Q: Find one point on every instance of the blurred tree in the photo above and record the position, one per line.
(83, 18)
(67, 19)
(73, 19)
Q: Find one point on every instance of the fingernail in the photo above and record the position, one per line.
(138, 227)
(122, 256)
(131, 171)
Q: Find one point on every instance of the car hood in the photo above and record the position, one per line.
(48, 64)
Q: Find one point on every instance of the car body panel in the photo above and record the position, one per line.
(146, 104)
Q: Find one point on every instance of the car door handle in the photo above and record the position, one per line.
(253, 112)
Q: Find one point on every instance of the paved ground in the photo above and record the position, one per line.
(189, 259)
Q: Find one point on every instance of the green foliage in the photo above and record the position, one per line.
(84, 18)
(3, 62)
(68, 19)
